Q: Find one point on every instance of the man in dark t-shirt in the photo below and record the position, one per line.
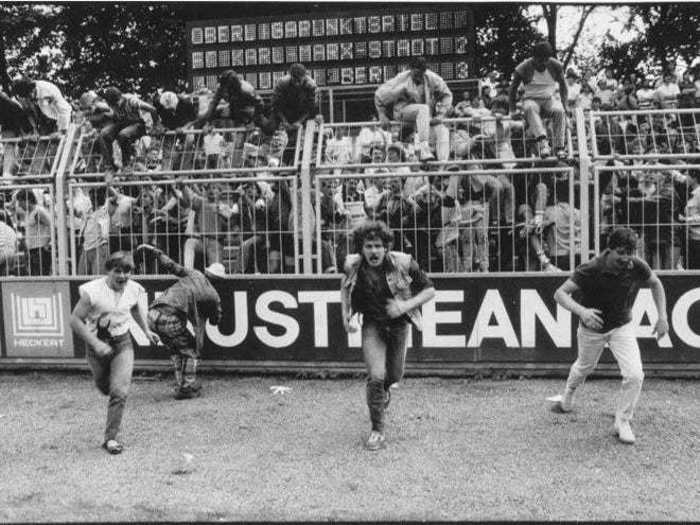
(605, 289)
(387, 288)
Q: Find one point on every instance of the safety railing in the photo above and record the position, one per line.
(32, 155)
(454, 219)
(211, 151)
(659, 201)
(28, 229)
(247, 221)
(488, 140)
(653, 133)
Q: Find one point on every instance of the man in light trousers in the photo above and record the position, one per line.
(608, 286)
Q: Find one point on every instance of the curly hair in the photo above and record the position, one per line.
(623, 238)
(372, 230)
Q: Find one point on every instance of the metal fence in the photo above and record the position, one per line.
(210, 151)
(33, 156)
(489, 140)
(660, 133)
(659, 201)
(456, 220)
(246, 221)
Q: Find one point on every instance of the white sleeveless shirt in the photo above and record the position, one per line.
(116, 306)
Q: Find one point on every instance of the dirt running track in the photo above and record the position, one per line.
(458, 449)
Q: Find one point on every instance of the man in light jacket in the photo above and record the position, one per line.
(420, 98)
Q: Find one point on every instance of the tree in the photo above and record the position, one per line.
(669, 33)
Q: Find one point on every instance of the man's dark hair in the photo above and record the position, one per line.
(23, 86)
(542, 49)
(623, 238)
(372, 230)
(297, 70)
(694, 174)
(418, 63)
(120, 260)
(112, 95)
(229, 79)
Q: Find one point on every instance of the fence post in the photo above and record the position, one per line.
(60, 207)
(584, 175)
(306, 207)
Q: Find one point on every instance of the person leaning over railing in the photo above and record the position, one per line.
(14, 122)
(177, 113)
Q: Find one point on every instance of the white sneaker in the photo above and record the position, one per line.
(624, 431)
(562, 403)
(375, 441)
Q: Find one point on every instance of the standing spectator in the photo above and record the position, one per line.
(420, 98)
(625, 99)
(95, 234)
(245, 105)
(376, 284)
(606, 288)
(692, 221)
(38, 230)
(541, 75)
(574, 90)
(463, 109)
(46, 97)
(14, 122)
(645, 93)
(128, 125)
(606, 94)
(666, 95)
(102, 318)
(491, 81)
(8, 246)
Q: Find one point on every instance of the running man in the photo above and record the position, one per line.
(387, 288)
(192, 298)
(102, 319)
(608, 286)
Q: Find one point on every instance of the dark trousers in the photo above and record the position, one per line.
(384, 351)
(39, 261)
(125, 133)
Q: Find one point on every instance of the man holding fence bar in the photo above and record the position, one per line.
(191, 299)
(608, 286)
(541, 75)
(387, 288)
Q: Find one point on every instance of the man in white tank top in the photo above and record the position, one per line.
(541, 75)
(102, 318)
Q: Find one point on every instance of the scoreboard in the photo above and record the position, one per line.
(345, 48)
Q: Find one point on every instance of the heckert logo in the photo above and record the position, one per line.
(35, 319)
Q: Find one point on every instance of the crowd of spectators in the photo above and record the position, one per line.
(453, 215)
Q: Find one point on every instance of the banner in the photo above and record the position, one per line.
(481, 319)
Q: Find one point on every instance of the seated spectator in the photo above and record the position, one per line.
(667, 93)
(541, 75)
(417, 97)
(245, 105)
(127, 126)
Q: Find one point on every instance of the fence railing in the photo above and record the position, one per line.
(659, 202)
(505, 214)
(461, 220)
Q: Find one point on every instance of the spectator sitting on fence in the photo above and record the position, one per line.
(667, 93)
(95, 234)
(177, 113)
(38, 232)
(294, 100)
(211, 223)
(541, 75)
(419, 99)
(128, 125)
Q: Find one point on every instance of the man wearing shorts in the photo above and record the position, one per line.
(608, 286)
(191, 299)
(387, 288)
(102, 318)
